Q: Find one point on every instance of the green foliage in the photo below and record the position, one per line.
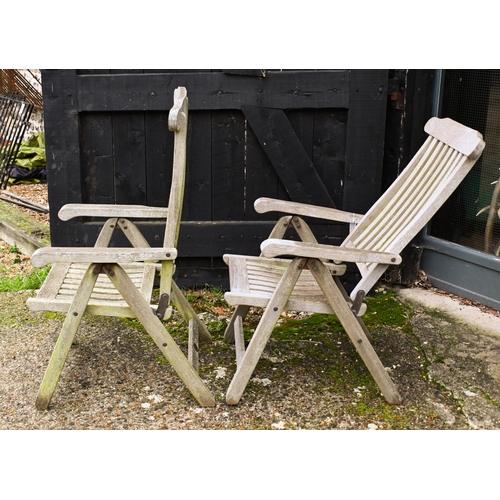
(31, 281)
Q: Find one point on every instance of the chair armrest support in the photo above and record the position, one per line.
(93, 255)
(263, 205)
(71, 210)
(274, 248)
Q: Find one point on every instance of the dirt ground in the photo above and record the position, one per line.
(116, 378)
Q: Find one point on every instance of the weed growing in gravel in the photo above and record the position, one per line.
(19, 282)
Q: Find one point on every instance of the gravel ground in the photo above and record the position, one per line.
(116, 378)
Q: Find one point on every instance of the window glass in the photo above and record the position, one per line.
(471, 216)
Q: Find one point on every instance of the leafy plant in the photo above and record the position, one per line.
(492, 214)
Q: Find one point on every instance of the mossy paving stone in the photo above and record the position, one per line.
(467, 363)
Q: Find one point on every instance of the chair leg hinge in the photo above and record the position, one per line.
(162, 305)
(358, 301)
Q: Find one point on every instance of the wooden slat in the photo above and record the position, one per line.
(214, 91)
(287, 155)
(228, 160)
(329, 150)
(365, 139)
(159, 152)
(198, 195)
(97, 159)
(254, 280)
(129, 158)
(104, 295)
(61, 125)
(48, 255)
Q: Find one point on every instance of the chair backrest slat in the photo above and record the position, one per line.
(415, 196)
(427, 181)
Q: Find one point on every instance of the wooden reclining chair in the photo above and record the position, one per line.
(309, 281)
(107, 281)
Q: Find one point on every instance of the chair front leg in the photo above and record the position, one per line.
(263, 331)
(66, 337)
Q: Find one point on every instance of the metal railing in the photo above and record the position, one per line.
(14, 119)
(13, 83)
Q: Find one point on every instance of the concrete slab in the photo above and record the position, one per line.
(469, 315)
(461, 346)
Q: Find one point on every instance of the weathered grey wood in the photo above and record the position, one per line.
(354, 331)
(254, 280)
(106, 233)
(50, 255)
(72, 210)
(410, 202)
(464, 139)
(159, 334)
(66, 336)
(116, 281)
(263, 331)
(273, 248)
(193, 345)
(133, 234)
(375, 242)
(241, 311)
(187, 312)
(239, 339)
(263, 205)
(60, 286)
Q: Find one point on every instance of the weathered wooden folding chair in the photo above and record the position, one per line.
(309, 281)
(119, 281)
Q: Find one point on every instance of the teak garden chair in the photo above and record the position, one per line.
(309, 282)
(107, 281)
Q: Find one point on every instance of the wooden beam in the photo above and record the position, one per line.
(212, 91)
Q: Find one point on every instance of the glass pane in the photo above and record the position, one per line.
(470, 217)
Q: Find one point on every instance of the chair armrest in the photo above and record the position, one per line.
(71, 210)
(275, 247)
(93, 255)
(263, 205)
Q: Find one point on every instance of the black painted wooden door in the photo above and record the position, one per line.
(310, 136)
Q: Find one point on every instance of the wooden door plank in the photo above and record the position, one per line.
(228, 161)
(130, 158)
(97, 158)
(215, 90)
(198, 193)
(291, 163)
(330, 139)
(159, 153)
(365, 139)
(260, 178)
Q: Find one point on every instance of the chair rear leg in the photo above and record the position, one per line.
(193, 345)
(159, 334)
(263, 331)
(188, 313)
(66, 337)
(240, 312)
(354, 330)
